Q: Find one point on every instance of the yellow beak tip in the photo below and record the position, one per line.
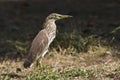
(67, 16)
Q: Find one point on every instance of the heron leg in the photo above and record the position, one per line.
(39, 62)
(39, 59)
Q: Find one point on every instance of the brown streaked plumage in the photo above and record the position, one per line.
(41, 42)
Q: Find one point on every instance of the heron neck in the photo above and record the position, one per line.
(50, 26)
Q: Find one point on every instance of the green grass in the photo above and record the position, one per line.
(50, 73)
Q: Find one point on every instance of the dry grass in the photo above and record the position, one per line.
(98, 63)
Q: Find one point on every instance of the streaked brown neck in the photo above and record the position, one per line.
(50, 26)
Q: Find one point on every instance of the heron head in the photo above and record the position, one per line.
(56, 16)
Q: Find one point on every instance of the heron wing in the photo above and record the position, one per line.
(39, 44)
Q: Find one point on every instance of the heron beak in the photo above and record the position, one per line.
(66, 16)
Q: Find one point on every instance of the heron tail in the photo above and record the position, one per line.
(27, 63)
